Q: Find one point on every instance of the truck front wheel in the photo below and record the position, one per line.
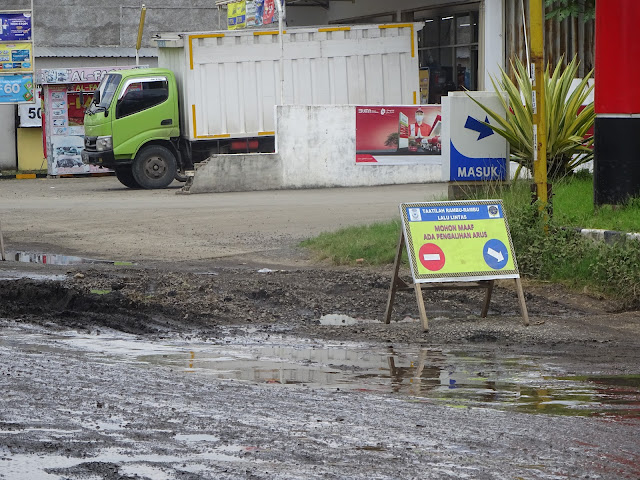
(154, 167)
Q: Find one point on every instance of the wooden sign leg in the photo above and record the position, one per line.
(523, 306)
(487, 299)
(1, 244)
(421, 309)
(394, 278)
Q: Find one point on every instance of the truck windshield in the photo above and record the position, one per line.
(107, 90)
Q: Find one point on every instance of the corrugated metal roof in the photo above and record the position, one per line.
(93, 52)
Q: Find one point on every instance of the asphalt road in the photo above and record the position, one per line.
(99, 218)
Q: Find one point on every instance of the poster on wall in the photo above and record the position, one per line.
(16, 57)
(398, 135)
(16, 88)
(15, 27)
(65, 155)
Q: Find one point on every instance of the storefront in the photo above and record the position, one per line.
(66, 93)
(448, 52)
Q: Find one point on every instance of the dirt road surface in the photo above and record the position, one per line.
(99, 217)
(223, 351)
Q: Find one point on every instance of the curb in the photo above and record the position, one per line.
(608, 236)
(22, 176)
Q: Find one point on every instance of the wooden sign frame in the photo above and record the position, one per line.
(484, 282)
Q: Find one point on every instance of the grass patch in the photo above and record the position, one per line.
(561, 256)
(573, 206)
(375, 244)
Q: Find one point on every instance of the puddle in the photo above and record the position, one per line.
(27, 467)
(56, 259)
(9, 275)
(456, 378)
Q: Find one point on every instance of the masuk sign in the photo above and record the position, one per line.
(471, 151)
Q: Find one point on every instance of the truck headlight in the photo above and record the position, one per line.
(104, 143)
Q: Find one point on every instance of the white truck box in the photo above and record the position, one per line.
(229, 81)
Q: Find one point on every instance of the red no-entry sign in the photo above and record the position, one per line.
(431, 257)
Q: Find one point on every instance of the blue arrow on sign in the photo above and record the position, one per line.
(478, 126)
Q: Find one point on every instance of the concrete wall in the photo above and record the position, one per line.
(7, 137)
(316, 148)
(114, 23)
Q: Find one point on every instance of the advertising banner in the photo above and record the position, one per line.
(458, 241)
(236, 15)
(16, 57)
(255, 9)
(398, 135)
(257, 13)
(269, 12)
(15, 27)
(16, 88)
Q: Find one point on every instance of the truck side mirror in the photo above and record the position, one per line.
(96, 97)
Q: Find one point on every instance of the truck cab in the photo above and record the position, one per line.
(132, 126)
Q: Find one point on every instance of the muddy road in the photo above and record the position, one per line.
(215, 348)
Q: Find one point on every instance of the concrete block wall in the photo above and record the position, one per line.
(317, 145)
(114, 23)
(7, 137)
(316, 149)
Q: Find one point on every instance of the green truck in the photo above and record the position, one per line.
(218, 92)
(137, 135)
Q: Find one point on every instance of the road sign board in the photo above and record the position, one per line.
(471, 151)
(458, 241)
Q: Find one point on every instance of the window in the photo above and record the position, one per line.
(448, 47)
(141, 94)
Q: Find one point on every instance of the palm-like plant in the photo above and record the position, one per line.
(567, 125)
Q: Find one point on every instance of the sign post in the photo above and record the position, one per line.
(455, 245)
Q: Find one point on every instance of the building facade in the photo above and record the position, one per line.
(461, 44)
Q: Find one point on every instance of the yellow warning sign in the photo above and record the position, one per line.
(458, 241)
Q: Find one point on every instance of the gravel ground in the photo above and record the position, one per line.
(83, 399)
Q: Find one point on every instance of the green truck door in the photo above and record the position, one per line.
(144, 111)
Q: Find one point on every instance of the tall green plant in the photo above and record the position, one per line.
(567, 125)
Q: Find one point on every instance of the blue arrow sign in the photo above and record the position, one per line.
(495, 253)
(478, 126)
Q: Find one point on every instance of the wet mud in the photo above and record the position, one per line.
(218, 371)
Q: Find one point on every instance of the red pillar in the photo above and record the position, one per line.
(617, 101)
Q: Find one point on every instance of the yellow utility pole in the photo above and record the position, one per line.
(143, 13)
(536, 20)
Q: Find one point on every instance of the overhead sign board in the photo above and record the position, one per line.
(460, 241)
(52, 76)
(471, 151)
